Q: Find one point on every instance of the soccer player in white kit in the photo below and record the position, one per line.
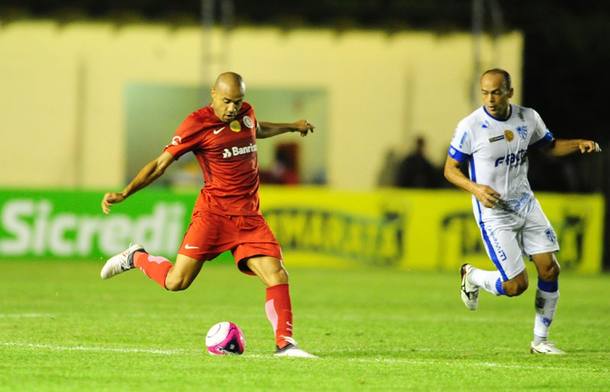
(494, 140)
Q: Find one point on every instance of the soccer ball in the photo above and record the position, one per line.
(225, 338)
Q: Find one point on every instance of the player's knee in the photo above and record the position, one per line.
(277, 276)
(270, 270)
(177, 283)
(282, 275)
(550, 273)
(513, 288)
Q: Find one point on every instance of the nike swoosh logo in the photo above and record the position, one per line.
(187, 246)
(217, 131)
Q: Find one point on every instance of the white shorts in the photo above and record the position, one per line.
(508, 238)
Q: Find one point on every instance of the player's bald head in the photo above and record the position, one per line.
(228, 95)
(496, 91)
(507, 84)
(230, 82)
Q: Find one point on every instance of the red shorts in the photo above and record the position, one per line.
(209, 234)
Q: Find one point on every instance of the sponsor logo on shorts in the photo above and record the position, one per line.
(498, 247)
(550, 234)
(189, 246)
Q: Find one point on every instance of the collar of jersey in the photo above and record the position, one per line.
(243, 111)
(510, 113)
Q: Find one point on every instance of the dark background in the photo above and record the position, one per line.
(566, 55)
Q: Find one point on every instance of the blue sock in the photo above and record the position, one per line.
(499, 287)
(549, 287)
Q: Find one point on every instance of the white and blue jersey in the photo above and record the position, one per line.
(496, 151)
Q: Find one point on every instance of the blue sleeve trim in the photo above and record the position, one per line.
(546, 140)
(458, 155)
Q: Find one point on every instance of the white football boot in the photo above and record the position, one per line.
(292, 350)
(121, 262)
(545, 347)
(468, 291)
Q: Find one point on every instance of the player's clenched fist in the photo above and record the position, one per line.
(487, 195)
(588, 146)
(303, 127)
(110, 199)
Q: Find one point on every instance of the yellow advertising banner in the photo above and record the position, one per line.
(414, 229)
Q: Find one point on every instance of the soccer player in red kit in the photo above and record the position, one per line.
(226, 216)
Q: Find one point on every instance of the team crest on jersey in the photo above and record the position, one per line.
(522, 131)
(235, 126)
(509, 135)
(248, 122)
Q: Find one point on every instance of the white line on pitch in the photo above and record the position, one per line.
(26, 315)
(407, 361)
(94, 348)
(482, 364)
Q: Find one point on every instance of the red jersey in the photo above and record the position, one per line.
(226, 153)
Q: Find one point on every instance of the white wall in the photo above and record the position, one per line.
(383, 90)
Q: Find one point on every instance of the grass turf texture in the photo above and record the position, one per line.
(62, 328)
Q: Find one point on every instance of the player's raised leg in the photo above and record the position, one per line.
(183, 273)
(547, 296)
(171, 277)
(510, 277)
(493, 281)
(278, 307)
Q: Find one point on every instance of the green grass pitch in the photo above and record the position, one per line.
(62, 328)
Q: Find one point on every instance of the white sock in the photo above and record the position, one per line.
(487, 280)
(546, 303)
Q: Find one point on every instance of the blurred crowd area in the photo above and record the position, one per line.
(572, 174)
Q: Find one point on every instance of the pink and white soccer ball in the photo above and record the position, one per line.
(225, 338)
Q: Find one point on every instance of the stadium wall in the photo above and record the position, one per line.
(63, 90)
(317, 227)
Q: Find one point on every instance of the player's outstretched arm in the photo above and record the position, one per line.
(484, 193)
(563, 147)
(268, 129)
(149, 173)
